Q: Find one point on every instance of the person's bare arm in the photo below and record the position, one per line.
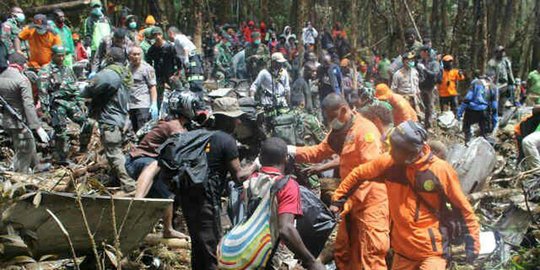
(146, 179)
(240, 174)
(321, 167)
(289, 235)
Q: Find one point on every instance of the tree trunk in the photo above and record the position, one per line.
(301, 19)
(484, 38)
(435, 19)
(353, 39)
(444, 25)
(63, 6)
(458, 22)
(197, 33)
(264, 11)
(536, 43)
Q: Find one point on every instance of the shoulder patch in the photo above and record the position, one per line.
(429, 185)
(369, 137)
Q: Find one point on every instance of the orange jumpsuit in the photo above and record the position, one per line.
(40, 46)
(415, 234)
(362, 241)
(401, 109)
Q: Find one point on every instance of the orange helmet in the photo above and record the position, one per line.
(344, 62)
(448, 58)
(150, 20)
(382, 91)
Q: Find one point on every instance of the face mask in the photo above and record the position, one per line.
(41, 31)
(132, 25)
(20, 17)
(257, 42)
(411, 64)
(336, 124)
(97, 12)
(447, 65)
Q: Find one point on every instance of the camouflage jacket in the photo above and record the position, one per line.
(309, 129)
(500, 71)
(257, 57)
(223, 57)
(9, 32)
(57, 84)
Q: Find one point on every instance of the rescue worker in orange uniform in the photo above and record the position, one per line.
(416, 237)
(448, 94)
(401, 108)
(41, 38)
(362, 240)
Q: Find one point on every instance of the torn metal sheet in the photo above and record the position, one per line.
(474, 164)
(138, 217)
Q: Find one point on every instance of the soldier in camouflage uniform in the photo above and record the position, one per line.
(10, 30)
(223, 60)
(60, 101)
(257, 56)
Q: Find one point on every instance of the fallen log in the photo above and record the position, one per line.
(63, 6)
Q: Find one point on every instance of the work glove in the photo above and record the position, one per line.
(43, 136)
(291, 150)
(154, 111)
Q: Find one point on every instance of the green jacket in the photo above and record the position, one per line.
(56, 83)
(66, 36)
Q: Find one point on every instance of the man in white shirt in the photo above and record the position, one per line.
(272, 88)
(190, 57)
(309, 35)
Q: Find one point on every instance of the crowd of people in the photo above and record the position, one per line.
(151, 80)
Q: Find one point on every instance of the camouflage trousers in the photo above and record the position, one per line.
(111, 139)
(24, 145)
(61, 111)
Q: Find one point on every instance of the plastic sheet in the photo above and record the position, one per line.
(316, 223)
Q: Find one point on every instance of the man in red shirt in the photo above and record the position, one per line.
(273, 158)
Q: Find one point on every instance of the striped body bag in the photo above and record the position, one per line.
(251, 243)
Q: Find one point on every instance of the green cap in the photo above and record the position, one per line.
(58, 49)
(157, 30)
(148, 32)
(95, 3)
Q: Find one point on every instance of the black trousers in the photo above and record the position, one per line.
(474, 117)
(139, 117)
(204, 228)
(427, 99)
(450, 101)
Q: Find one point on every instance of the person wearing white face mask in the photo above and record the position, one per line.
(362, 242)
(10, 30)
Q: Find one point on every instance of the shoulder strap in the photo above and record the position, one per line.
(276, 187)
(430, 208)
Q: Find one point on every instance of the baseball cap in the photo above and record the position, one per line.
(448, 58)
(227, 106)
(278, 57)
(58, 49)
(409, 135)
(157, 30)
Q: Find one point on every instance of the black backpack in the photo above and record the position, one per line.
(183, 157)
